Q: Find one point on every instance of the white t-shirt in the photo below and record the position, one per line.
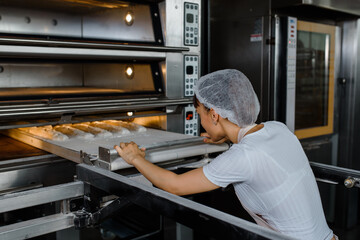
(272, 178)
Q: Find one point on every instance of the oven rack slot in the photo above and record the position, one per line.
(88, 45)
(70, 111)
(78, 53)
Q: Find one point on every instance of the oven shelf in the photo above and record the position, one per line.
(38, 48)
(74, 111)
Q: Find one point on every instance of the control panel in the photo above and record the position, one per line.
(191, 121)
(191, 68)
(191, 27)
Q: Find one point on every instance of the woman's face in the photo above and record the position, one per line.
(208, 123)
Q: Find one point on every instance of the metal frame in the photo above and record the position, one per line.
(35, 197)
(195, 215)
(336, 175)
(87, 107)
(37, 227)
(44, 225)
(89, 45)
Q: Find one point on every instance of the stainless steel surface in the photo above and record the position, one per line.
(174, 75)
(21, 111)
(17, 75)
(175, 15)
(37, 22)
(30, 173)
(113, 76)
(349, 102)
(105, 23)
(36, 227)
(110, 24)
(35, 197)
(68, 6)
(87, 44)
(82, 53)
(349, 115)
(38, 77)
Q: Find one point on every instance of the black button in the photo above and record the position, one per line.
(189, 69)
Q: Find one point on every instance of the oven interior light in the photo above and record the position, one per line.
(129, 71)
(129, 18)
(130, 114)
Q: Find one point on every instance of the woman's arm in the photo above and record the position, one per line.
(190, 182)
(207, 139)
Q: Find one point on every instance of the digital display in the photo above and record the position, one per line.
(189, 115)
(189, 70)
(190, 18)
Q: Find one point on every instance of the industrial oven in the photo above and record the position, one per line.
(77, 77)
(301, 57)
(64, 63)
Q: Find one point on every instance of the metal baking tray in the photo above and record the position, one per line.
(162, 146)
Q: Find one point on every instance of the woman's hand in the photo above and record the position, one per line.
(130, 152)
(207, 139)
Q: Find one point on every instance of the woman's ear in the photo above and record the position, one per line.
(214, 116)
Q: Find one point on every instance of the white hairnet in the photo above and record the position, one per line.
(230, 93)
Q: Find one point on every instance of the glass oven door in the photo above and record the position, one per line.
(314, 91)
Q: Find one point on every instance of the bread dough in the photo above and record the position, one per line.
(73, 132)
(115, 130)
(46, 132)
(98, 132)
(129, 125)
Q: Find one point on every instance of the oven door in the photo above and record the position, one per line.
(304, 76)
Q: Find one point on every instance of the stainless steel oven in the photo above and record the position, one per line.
(66, 66)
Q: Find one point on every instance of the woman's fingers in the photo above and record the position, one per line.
(118, 149)
(129, 151)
